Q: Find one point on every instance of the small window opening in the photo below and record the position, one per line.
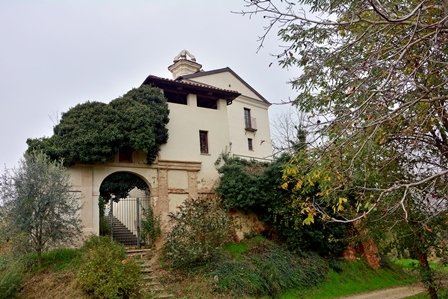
(203, 140)
(206, 103)
(174, 97)
(125, 154)
(250, 144)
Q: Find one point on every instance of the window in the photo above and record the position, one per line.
(249, 121)
(203, 141)
(250, 144)
(174, 97)
(125, 154)
(206, 103)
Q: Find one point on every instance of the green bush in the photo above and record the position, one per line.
(11, 278)
(200, 228)
(150, 227)
(104, 226)
(106, 272)
(255, 186)
(267, 269)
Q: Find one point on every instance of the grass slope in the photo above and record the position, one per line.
(355, 277)
(251, 269)
(57, 277)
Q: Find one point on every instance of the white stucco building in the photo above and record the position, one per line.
(210, 112)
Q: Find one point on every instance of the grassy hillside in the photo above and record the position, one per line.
(253, 269)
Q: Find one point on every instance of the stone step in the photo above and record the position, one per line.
(153, 283)
(139, 252)
(151, 279)
(157, 289)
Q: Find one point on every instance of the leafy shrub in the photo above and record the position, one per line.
(150, 227)
(200, 228)
(106, 273)
(256, 186)
(104, 226)
(266, 269)
(11, 277)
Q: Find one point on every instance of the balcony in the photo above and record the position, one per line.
(250, 124)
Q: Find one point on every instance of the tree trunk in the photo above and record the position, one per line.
(39, 258)
(426, 274)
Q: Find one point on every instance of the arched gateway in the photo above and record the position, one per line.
(123, 203)
(169, 183)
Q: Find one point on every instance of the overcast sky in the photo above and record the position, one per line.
(55, 54)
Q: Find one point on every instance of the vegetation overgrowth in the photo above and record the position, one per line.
(94, 132)
(254, 268)
(200, 227)
(260, 187)
(372, 81)
(259, 268)
(262, 268)
(105, 272)
(150, 227)
(99, 269)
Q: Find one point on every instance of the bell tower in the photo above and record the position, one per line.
(184, 64)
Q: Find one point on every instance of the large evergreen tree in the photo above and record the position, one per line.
(94, 132)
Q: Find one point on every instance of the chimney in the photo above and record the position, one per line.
(184, 65)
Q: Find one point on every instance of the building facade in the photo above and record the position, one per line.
(211, 112)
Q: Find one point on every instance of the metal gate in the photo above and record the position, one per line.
(125, 219)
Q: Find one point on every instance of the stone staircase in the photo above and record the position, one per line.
(121, 233)
(150, 268)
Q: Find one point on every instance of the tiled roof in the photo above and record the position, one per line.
(222, 70)
(161, 82)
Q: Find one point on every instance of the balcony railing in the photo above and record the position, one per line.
(250, 124)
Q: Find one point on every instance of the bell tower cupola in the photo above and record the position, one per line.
(184, 64)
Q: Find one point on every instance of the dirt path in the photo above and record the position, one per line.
(393, 293)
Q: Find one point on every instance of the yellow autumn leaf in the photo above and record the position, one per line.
(342, 200)
(308, 220)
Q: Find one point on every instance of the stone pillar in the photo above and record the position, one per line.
(87, 211)
(192, 184)
(162, 206)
